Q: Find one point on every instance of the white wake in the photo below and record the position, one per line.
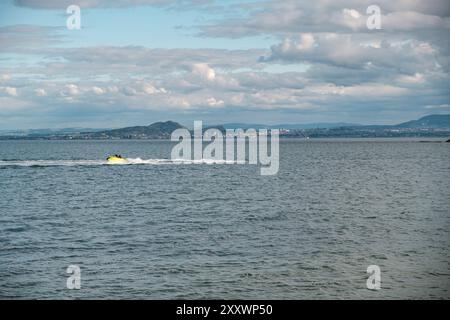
(131, 161)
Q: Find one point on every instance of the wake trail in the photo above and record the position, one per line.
(131, 161)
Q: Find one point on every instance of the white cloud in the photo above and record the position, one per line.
(349, 18)
(5, 77)
(212, 102)
(414, 79)
(40, 92)
(11, 91)
(353, 51)
(204, 71)
(352, 13)
(98, 90)
(72, 89)
(304, 43)
(150, 89)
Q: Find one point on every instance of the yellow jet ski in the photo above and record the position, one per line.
(116, 159)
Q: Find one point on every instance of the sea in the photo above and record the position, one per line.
(157, 229)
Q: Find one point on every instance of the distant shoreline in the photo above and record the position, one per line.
(431, 126)
(421, 139)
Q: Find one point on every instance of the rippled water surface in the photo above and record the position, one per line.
(156, 229)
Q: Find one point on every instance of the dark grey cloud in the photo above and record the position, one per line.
(356, 52)
(63, 4)
(292, 16)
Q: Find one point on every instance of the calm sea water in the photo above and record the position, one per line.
(159, 230)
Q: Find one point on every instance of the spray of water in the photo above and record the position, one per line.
(131, 161)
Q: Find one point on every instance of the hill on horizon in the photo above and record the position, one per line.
(154, 130)
(431, 121)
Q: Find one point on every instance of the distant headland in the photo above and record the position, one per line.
(428, 126)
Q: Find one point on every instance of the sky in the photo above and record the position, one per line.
(135, 62)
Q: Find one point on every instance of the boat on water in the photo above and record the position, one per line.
(117, 159)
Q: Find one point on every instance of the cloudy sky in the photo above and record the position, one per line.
(134, 62)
